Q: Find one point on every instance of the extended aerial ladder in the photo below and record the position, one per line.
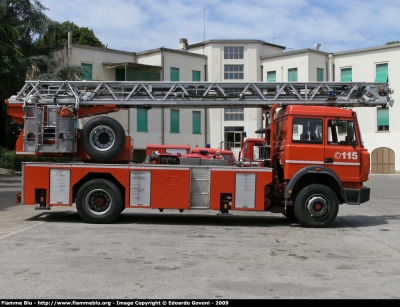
(49, 110)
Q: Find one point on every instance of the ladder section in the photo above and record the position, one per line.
(202, 94)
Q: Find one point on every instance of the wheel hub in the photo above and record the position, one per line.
(98, 201)
(102, 138)
(317, 206)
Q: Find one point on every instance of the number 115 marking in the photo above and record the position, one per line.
(346, 155)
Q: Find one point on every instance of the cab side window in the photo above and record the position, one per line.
(307, 130)
(341, 132)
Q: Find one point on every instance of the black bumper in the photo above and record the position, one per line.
(356, 196)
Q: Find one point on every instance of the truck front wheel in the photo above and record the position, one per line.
(99, 201)
(316, 205)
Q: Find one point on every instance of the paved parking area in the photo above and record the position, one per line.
(196, 255)
(16, 218)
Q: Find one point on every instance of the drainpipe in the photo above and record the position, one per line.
(205, 112)
(331, 65)
(129, 110)
(162, 109)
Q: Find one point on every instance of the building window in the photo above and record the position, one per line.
(382, 73)
(233, 114)
(346, 75)
(233, 136)
(383, 119)
(141, 120)
(292, 74)
(174, 76)
(233, 72)
(233, 52)
(87, 74)
(196, 116)
(271, 76)
(320, 74)
(174, 125)
(195, 75)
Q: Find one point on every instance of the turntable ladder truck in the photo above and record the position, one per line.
(313, 155)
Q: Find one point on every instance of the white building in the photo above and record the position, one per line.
(241, 61)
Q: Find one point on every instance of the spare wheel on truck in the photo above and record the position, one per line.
(103, 138)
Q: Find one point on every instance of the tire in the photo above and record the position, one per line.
(103, 138)
(316, 206)
(99, 201)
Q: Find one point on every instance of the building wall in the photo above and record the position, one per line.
(167, 58)
(252, 70)
(363, 64)
(95, 56)
(306, 63)
(259, 58)
(159, 119)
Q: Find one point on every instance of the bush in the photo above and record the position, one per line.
(9, 159)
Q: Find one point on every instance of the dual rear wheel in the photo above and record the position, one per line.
(99, 201)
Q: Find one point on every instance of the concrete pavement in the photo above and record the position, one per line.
(196, 255)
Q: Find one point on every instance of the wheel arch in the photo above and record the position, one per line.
(314, 174)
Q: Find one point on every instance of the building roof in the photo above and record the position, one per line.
(141, 67)
(233, 41)
(182, 52)
(293, 53)
(387, 46)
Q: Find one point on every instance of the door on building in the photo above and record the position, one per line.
(382, 161)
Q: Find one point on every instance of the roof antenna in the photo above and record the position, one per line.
(204, 35)
(273, 35)
(140, 36)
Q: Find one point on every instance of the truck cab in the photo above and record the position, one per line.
(254, 152)
(321, 144)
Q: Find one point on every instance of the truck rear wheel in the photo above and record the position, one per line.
(103, 138)
(99, 201)
(316, 205)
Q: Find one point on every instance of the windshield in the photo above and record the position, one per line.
(357, 126)
(260, 152)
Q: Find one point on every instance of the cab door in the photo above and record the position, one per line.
(342, 150)
(306, 147)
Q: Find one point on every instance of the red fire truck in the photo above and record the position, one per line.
(312, 156)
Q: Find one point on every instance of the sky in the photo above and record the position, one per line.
(139, 25)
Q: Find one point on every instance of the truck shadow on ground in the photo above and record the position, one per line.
(355, 221)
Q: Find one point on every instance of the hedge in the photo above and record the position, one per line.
(9, 160)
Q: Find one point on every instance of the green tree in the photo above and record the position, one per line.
(21, 21)
(27, 37)
(9, 79)
(57, 33)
